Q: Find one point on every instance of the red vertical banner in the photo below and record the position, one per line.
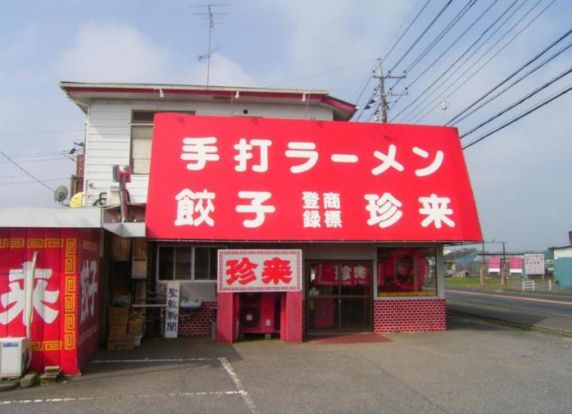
(54, 321)
(88, 295)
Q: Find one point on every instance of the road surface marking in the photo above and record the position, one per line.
(135, 396)
(232, 374)
(464, 292)
(148, 360)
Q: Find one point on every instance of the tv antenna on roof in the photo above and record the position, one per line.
(209, 11)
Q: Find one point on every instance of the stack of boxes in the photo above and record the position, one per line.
(118, 338)
(135, 329)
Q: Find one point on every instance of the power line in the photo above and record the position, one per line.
(29, 174)
(438, 59)
(406, 30)
(416, 41)
(546, 61)
(420, 108)
(411, 47)
(441, 35)
(372, 71)
(481, 36)
(508, 87)
(455, 83)
(336, 69)
(519, 102)
(45, 132)
(33, 182)
(512, 121)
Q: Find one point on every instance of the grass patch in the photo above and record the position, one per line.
(471, 282)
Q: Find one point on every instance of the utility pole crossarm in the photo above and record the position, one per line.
(382, 110)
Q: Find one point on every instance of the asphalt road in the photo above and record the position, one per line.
(474, 367)
(549, 312)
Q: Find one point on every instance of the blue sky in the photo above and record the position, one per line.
(521, 175)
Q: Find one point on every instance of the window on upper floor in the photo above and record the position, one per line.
(141, 138)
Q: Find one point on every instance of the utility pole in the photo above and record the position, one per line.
(503, 265)
(210, 13)
(380, 97)
(482, 273)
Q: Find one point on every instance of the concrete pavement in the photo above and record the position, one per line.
(474, 367)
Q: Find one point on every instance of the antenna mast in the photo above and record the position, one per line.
(210, 13)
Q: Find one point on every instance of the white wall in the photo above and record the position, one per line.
(563, 252)
(109, 132)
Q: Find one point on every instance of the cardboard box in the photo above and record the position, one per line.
(118, 314)
(117, 332)
(120, 345)
(135, 326)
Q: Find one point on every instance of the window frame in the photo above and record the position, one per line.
(146, 123)
(193, 270)
(433, 273)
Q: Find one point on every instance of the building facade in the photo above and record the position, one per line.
(237, 211)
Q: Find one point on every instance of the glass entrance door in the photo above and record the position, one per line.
(338, 296)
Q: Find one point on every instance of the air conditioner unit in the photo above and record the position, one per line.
(14, 357)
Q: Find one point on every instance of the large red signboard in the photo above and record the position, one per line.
(231, 178)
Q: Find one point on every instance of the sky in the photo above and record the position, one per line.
(520, 175)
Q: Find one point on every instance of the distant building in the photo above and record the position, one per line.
(563, 266)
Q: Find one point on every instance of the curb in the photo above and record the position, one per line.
(512, 324)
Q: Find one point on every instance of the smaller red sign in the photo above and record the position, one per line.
(259, 270)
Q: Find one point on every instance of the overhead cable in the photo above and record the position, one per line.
(29, 174)
(415, 42)
(528, 112)
(460, 116)
(481, 36)
(440, 57)
(420, 114)
(519, 102)
(369, 78)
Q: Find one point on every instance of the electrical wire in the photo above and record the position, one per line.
(455, 83)
(440, 36)
(407, 29)
(416, 41)
(395, 43)
(432, 84)
(525, 114)
(421, 107)
(337, 69)
(440, 57)
(508, 87)
(459, 117)
(46, 132)
(411, 47)
(519, 102)
(29, 174)
(33, 182)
